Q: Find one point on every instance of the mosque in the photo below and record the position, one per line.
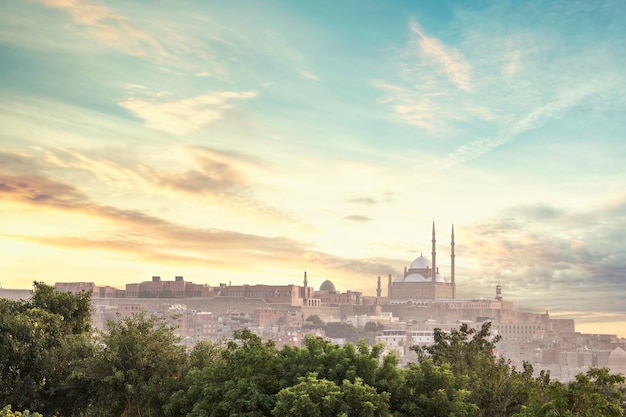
(422, 280)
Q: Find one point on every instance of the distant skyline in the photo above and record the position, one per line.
(250, 141)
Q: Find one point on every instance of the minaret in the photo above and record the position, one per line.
(306, 283)
(378, 291)
(389, 290)
(452, 265)
(434, 254)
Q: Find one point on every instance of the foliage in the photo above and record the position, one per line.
(42, 341)
(431, 390)
(595, 393)
(50, 362)
(241, 380)
(495, 387)
(329, 361)
(7, 412)
(136, 369)
(313, 397)
(73, 309)
(245, 376)
(344, 331)
(203, 355)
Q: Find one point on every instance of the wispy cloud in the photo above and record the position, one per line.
(359, 218)
(501, 80)
(39, 190)
(451, 61)
(150, 237)
(308, 75)
(110, 27)
(181, 43)
(411, 107)
(228, 179)
(431, 76)
(362, 200)
(183, 116)
(215, 173)
(57, 195)
(552, 256)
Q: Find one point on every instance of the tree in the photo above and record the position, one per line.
(74, 309)
(42, 342)
(243, 381)
(343, 330)
(496, 387)
(203, 356)
(594, 393)
(329, 361)
(429, 390)
(313, 397)
(136, 369)
(362, 400)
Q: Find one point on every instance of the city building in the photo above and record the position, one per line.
(328, 295)
(157, 288)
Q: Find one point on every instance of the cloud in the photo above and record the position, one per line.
(411, 107)
(110, 28)
(181, 42)
(185, 116)
(358, 218)
(309, 76)
(451, 61)
(362, 200)
(226, 178)
(53, 194)
(432, 80)
(146, 236)
(117, 169)
(230, 178)
(550, 257)
(18, 162)
(504, 79)
(39, 190)
(356, 267)
(216, 174)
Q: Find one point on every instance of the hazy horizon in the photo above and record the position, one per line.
(249, 142)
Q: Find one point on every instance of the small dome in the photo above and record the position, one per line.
(414, 278)
(420, 263)
(439, 278)
(399, 279)
(327, 286)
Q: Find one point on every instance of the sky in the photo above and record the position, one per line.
(250, 141)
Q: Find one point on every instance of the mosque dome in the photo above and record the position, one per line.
(414, 278)
(439, 278)
(399, 279)
(327, 286)
(420, 263)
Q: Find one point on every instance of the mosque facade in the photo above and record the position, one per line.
(422, 280)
